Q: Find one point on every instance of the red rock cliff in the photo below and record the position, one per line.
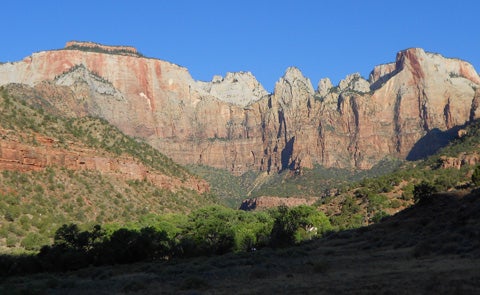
(18, 156)
(395, 113)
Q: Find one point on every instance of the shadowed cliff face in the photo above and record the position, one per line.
(234, 124)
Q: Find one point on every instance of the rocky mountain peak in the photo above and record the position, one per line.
(380, 72)
(293, 73)
(294, 84)
(232, 123)
(239, 88)
(421, 63)
(324, 86)
(354, 82)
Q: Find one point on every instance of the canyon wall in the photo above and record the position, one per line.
(403, 110)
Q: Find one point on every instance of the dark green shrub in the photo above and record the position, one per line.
(395, 204)
(284, 227)
(33, 241)
(476, 176)
(422, 192)
(379, 216)
(294, 225)
(407, 193)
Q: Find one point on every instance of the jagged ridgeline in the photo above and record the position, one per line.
(401, 110)
(57, 170)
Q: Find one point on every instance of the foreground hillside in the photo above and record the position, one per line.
(432, 247)
(57, 170)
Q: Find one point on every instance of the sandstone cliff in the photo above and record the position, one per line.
(234, 124)
(17, 155)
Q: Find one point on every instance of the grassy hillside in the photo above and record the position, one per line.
(372, 198)
(34, 204)
(432, 247)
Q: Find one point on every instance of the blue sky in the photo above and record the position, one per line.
(322, 38)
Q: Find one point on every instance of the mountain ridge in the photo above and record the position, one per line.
(352, 125)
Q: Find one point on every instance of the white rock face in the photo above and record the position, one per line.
(293, 93)
(294, 85)
(380, 71)
(240, 88)
(212, 122)
(95, 83)
(355, 82)
(324, 86)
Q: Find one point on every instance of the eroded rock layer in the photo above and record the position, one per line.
(405, 109)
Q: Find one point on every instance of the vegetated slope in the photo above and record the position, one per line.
(228, 188)
(352, 199)
(370, 199)
(313, 183)
(431, 247)
(58, 170)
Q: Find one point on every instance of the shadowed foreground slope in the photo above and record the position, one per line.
(432, 247)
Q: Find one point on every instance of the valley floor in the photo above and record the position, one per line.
(335, 266)
(429, 248)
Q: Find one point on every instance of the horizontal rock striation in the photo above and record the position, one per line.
(405, 109)
(45, 152)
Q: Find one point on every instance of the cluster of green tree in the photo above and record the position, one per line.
(100, 49)
(58, 196)
(95, 75)
(34, 204)
(208, 231)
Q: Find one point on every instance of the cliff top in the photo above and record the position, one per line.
(96, 47)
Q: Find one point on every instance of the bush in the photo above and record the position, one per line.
(294, 225)
(407, 193)
(422, 192)
(33, 241)
(395, 204)
(379, 216)
(476, 176)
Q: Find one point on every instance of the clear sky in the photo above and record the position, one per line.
(321, 38)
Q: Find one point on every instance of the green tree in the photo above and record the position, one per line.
(423, 191)
(67, 236)
(293, 225)
(252, 230)
(210, 231)
(33, 241)
(476, 176)
(349, 217)
(284, 227)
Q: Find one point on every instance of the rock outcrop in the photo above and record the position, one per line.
(46, 152)
(403, 110)
(236, 88)
(464, 159)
